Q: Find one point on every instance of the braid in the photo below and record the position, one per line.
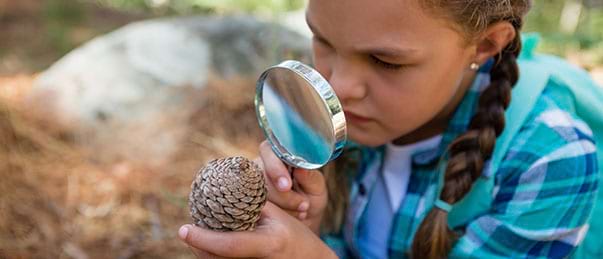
(469, 152)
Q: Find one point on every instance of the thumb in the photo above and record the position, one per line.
(312, 182)
(270, 210)
(274, 168)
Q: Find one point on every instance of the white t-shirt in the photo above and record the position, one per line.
(387, 194)
(397, 167)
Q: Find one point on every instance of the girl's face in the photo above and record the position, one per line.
(398, 70)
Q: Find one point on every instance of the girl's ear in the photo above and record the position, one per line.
(493, 40)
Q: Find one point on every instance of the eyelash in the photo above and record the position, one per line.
(386, 65)
(377, 61)
(320, 41)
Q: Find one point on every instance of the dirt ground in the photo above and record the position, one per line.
(58, 201)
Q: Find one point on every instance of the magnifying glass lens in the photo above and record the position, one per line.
(300, 115)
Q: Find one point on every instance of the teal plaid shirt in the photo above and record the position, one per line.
(551, 169)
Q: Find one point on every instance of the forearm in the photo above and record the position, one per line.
(327, 252)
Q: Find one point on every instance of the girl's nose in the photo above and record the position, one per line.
(346, 80)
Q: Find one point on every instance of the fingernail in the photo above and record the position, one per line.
(302, 215)
(303, 206)
(183, 232)
(283, 183)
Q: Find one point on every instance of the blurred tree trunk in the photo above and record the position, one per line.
(570, 16)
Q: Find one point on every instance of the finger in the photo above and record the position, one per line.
(204, 255)
(300, 215)
(274, 168)
(312, 182)
(242, 244)
(290, 200)
(272, 211)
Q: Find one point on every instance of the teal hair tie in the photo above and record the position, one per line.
(440, 204)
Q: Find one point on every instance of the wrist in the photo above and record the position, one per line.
(329, 253)
(326, 251)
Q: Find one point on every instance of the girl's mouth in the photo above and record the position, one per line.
(353, 118)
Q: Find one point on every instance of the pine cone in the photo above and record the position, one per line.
(228, 195)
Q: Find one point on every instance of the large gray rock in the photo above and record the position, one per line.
(138, 78)
(296, 21)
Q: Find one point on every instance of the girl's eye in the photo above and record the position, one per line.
(321, 41)
(384, 64)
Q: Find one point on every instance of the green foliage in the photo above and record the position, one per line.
(588, 37)
(63, 11)
(60, 17)
(125, 4)
(205, 6)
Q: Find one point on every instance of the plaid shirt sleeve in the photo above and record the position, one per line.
(544, 194)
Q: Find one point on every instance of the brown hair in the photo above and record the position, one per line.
(468, 152)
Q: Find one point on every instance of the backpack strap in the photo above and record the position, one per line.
(532, 81)
(533, 78)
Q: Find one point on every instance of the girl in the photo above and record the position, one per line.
(424, 85)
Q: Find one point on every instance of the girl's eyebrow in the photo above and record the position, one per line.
(386, 51)
(315, 31)
(383, 51)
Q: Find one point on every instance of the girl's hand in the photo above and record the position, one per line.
(277, 235)
(306, 201)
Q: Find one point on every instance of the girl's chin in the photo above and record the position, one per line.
(366, 138)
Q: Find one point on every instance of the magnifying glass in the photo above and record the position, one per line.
(300, 115)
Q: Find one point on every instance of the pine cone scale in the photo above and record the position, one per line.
(228, 195)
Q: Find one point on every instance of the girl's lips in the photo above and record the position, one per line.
(355, 118)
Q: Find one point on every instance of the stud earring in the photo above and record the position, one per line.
(474, 66)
